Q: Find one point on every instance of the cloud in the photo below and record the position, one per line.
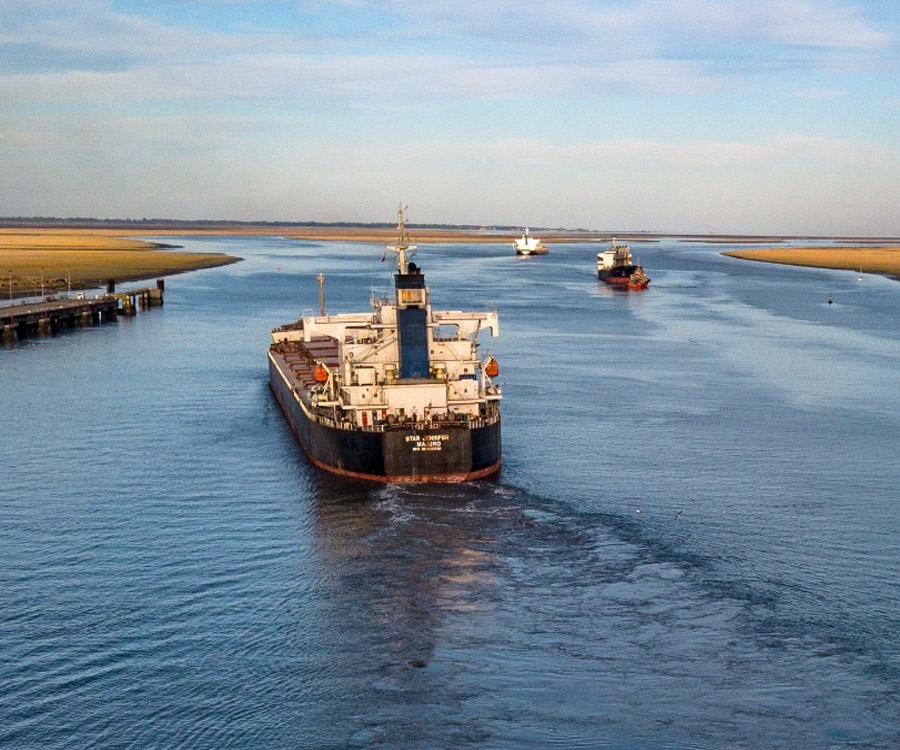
(627, 26)
(244, 167)
(660, 156)
(73, 35)
(803, 23)
(69, 35)
(77, 55)
(357, 81)
(273, 100)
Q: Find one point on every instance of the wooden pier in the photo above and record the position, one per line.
(54, 315)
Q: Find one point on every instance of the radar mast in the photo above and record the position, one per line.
(402, 246)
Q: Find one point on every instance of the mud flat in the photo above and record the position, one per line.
(883, 259)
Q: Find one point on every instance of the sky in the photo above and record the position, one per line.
(681, 116)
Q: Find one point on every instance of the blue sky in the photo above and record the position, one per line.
(772, 116)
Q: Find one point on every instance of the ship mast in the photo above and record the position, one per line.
(402, 246)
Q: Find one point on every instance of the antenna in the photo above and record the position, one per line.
(402, 246)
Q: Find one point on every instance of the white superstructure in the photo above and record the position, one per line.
(529, 245)
(361, 369)
(617, 255)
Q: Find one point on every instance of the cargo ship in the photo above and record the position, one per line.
(617, 268)
(397, 394)
(529, 245)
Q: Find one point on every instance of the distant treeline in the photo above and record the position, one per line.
(91, 223)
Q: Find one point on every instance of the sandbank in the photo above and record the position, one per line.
(85, 259)
(882, 260)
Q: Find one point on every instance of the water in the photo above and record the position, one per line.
(692, 543)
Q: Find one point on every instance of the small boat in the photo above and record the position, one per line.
(617, 268)
(859, 278)
(529, 245)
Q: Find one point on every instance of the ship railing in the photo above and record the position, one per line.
(453, 422)
(296, 326)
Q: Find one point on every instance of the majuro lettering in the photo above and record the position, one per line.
(427, 442)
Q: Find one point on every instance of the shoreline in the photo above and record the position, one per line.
(86, 257)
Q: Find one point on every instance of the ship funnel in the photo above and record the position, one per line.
(412, 307)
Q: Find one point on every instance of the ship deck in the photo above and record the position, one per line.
(300, 358)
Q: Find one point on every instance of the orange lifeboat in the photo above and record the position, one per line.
(321, 373)
(491, 368)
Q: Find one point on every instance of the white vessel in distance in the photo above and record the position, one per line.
(529, 245)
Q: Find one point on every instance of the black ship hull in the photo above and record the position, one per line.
(396, 453)
(617, 275)
(624, 277)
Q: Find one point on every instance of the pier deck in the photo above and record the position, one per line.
(53, 315)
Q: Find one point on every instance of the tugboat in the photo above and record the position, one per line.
(528, 245)
(398, 394)
(617, 268)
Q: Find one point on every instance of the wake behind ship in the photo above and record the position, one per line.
(397, 394)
